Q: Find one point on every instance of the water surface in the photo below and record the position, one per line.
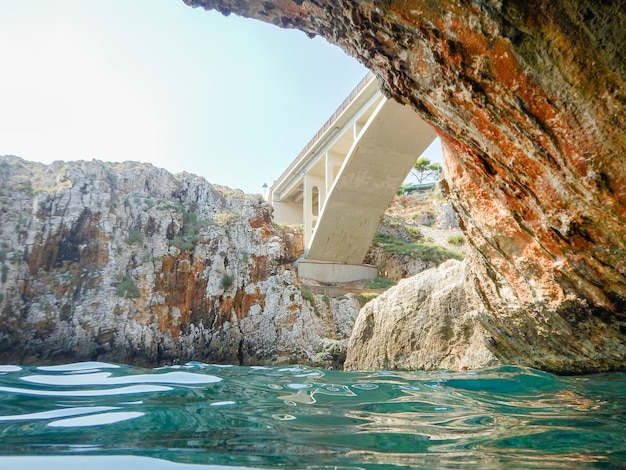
(98, 415)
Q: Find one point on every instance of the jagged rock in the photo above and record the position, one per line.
(395, 267)
(395, 261)
(529, 100)
(424, 322)
(128, 263)
(446, 217)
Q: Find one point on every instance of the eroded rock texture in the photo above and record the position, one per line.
(422, 323)
(528, 97)
(129, 263)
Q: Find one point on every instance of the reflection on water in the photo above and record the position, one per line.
(266, 417)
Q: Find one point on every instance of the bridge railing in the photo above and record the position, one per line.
(327, 125)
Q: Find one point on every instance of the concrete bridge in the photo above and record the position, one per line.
(339, 186)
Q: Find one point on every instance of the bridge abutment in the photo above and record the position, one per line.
(329, 272)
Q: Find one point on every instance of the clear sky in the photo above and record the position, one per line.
(229, 99)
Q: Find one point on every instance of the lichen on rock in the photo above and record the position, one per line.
(529, 100)
(126, 262)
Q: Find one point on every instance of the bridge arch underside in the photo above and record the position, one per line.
(376, 165)
(339, 186)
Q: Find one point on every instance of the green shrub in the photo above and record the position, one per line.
(456, 240)
(164, 204)
(380, 283)
(423, 251)
(413, 231)
(181, 242)
(226, 282)
(185, 243)
(4, 274)
(225, 218)
(135, 236)
(189, 232)
(127, 287)
(365, 298)
(309, 297)
(391, 222)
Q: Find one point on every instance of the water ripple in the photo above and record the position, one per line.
(299, 417)
(104, 378)
(96, 420)
(88, 393)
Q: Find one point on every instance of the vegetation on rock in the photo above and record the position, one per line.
(456, 240)
(188, 234)
(380, 283)
(127, 287)
(226, 282)
(424, 251)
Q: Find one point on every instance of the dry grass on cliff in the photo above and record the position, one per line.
(427, 252)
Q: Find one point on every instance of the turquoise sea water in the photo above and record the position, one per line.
(105, 416)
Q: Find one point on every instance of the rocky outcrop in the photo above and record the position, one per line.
(399, 253)
(404, 246)
(529, 100)
(422, 323)
(128, 263)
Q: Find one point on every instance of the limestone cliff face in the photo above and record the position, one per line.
(422, 323)
(128, 263)
(529, 99)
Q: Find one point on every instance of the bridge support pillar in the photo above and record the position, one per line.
(325, 271)
(312, 204)
(333, 163)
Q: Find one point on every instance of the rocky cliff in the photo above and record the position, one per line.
(128, 263)
(529, 100)
(422, 323)
(416, 233)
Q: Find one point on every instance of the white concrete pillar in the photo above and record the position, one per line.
(333, 164)
(307, 210)
(312, 201)
(357, 128)
(321, 197)
(315, 202)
